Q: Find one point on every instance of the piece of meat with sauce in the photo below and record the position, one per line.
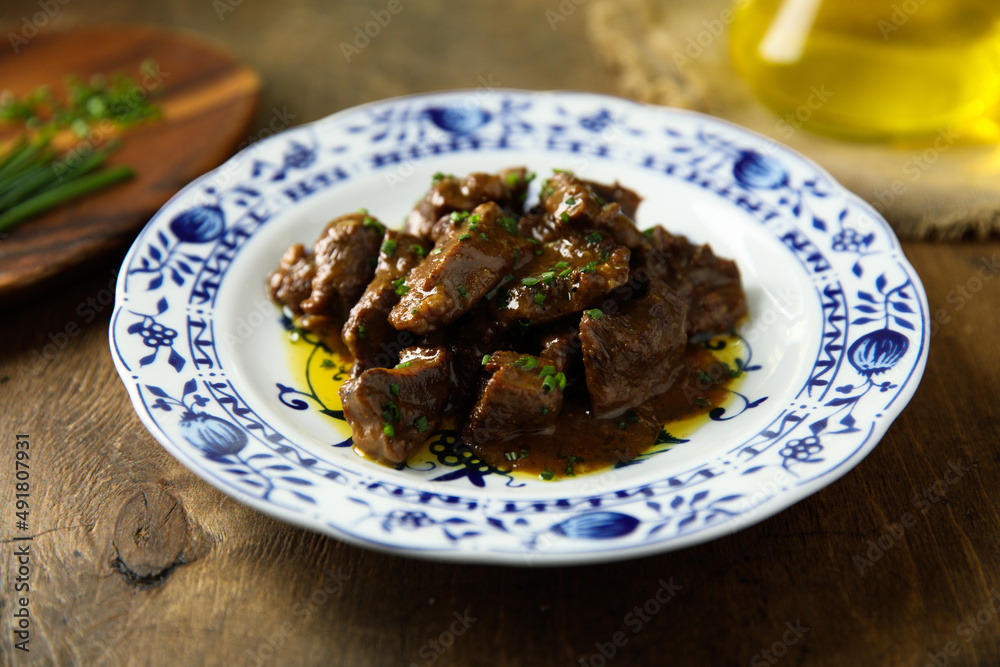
(633, 353)
(291, 283)
(393, 410)
(570, 203)
(449, 194)
(345, 256)
(523, 394)
(369, 336)
(462, 268)
(569, 275)
(709, 284)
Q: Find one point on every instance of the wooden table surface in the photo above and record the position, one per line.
(136, 561)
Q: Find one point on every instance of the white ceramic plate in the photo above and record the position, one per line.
(837, 339)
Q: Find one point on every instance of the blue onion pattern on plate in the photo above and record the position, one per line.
(838, 329)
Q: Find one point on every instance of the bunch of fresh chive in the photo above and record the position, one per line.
(34, 176)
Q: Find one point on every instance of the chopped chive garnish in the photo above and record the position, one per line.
(561, 380)
(706, 377)
(591, 267)
(388, 429)
(437, 177)
(543, 410)
(570, 201)
(564, 216)
(530, 177)
(363, 211)
(549, 382)
(463, 291)
(373, 224)
(389, 246)
(510, 456)
(561, 265)
(486, 358)
(529, 281)
(539, 251)
(362, 331)
(421, 424)
(547, 371)
(436, 251)
(401, 289)
(547, 474)
(419, 251)
(464, 237)
(565, 272)
(473, 226)
(594, 313)
(539, 298)
(513, 178)
(413, 311)
(458, 216)
(394, 389)
(570, 463)
(403, 364)
(622, 426)
(390, 411)
(548, 277)
(594, 237)
(534, 241)
(509, 223)
(527, 363)
(702, 402)
(474, 219)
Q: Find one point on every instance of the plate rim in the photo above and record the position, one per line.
(765, 510)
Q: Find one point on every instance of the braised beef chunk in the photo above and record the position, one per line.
(393, 410)
(462, 268)
(633, 353)
(291, 283)
(617, 193)
(563, 348)
(369, 336)
(345, 256)
(570, 203)
(568, 275)
(555, 337)
(449, 194)
(523, 394)
(710, 285)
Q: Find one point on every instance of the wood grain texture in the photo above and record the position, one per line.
(208, 101)
(139, 562)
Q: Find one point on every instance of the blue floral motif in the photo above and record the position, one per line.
(753, 170)
(213, 436)
(155, 335)
(201, 224)
(596, 526)
(459, 120)
(877, 351)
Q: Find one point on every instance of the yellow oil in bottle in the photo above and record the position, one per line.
(872, 69)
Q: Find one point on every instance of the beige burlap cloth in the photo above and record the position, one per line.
(676, 53)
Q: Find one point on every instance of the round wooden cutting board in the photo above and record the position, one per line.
(208, 101)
